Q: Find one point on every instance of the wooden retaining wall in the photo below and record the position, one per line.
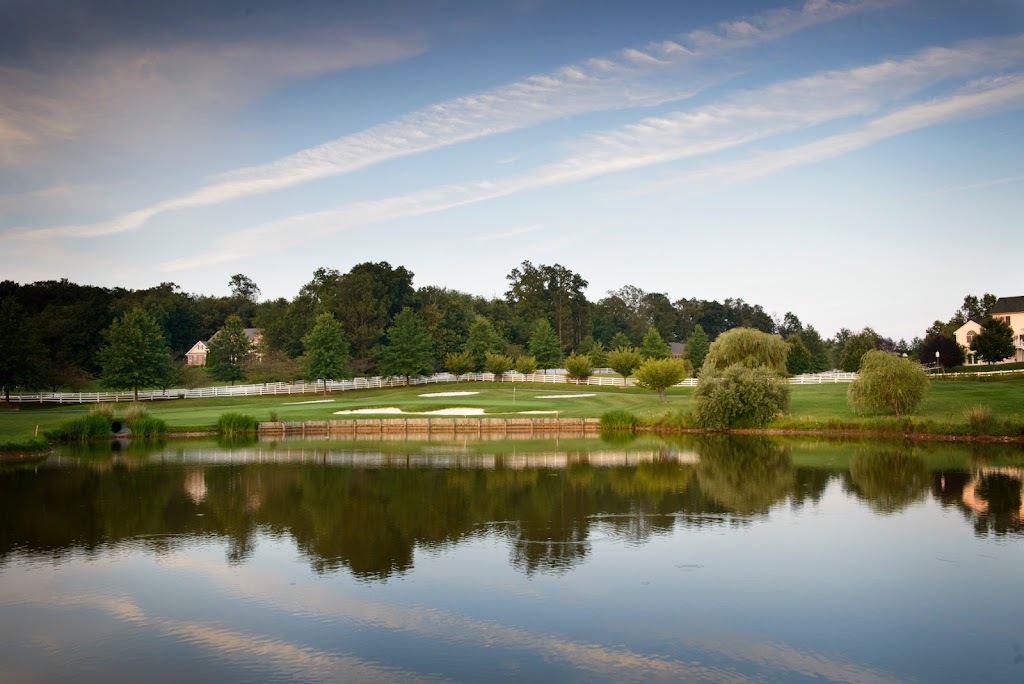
(424, 426)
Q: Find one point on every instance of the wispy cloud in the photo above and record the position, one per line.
(981, 184)
(66, 96)
(631, 78)
(783, 108)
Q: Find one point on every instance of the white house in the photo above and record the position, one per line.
(1008, 309)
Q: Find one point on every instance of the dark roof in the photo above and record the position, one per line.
(1005, 305)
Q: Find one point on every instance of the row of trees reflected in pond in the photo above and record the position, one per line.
(369, 520)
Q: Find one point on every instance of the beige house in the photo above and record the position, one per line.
(196, 356)
(1008, 309)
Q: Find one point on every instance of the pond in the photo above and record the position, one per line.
(701, 559)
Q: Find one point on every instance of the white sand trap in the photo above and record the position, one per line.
(449, 394)
(393, 410)
(536, 412)
(564, 396)
(313, 401)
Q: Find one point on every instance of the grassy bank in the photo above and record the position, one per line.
(812, 407)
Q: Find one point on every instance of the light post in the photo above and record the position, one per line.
(938, 362)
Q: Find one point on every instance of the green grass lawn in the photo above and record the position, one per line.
(810, 404)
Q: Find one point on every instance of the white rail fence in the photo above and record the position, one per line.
(288, 388)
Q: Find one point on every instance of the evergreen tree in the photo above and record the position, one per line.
(409, 350)
(653, 346)
(228, 350)
(544, 345)
(326, 356)
(135, 354)
(798, 360)
(697, 346)
(620, 341)
(482, 339)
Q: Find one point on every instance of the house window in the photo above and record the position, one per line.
(970, 336)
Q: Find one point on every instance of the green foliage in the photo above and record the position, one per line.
(739, 397)
(134, 411)
(409, 350)
(527, 365)
(579, 366)
(889, 480)
(995, 341)
(595, 350)
(697, 346)
(749, 348)
(90, 426)
(272, 366)
(653, 346)
(228, 350)
(624, 360)
(888, 383)
(979, 419)
(22, 362)
(326, 350)
(482, 339)
(147, 426)
(620, 341)
(798, 360)
(950, 353)
(545, 345)
(660, 374)
(230, 424)
(135, 354)
(619, 419)
(553, 293)
(854, 349)
(458, 364)
(499, 364)
(820, 360)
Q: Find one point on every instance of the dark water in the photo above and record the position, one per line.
(719, 560)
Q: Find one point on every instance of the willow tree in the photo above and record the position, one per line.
(888, 383)
(749, 348)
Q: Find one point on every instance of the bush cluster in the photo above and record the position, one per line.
(739, 397)
(230, 424)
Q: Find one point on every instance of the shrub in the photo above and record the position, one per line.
(888, 383)
(498, 364)
(624, 360)
(230, 424)
(618, 419)
(459, 364)
(739, 397)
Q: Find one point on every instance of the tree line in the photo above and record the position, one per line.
(370, 320)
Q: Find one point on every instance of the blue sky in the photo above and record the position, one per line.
(857, 162)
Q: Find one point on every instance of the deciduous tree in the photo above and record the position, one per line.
(995, 341)
(135, 353)
(739, 396)
(578, 366)
(887, 383)
(660, 374)
(228, 350)
(624, 360)
(409, 349)
(499, 364)
(326, 356)
(459, 364)
(749, 348)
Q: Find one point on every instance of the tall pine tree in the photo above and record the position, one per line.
(409, 350)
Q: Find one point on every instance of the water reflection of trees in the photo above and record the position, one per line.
(746, 475)
(888, 480)
(369, 521)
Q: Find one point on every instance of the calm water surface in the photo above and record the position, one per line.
(719, 560)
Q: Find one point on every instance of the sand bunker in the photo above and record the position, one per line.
(449, 394)
(312, 401)
(564, 396)
(394, 410)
